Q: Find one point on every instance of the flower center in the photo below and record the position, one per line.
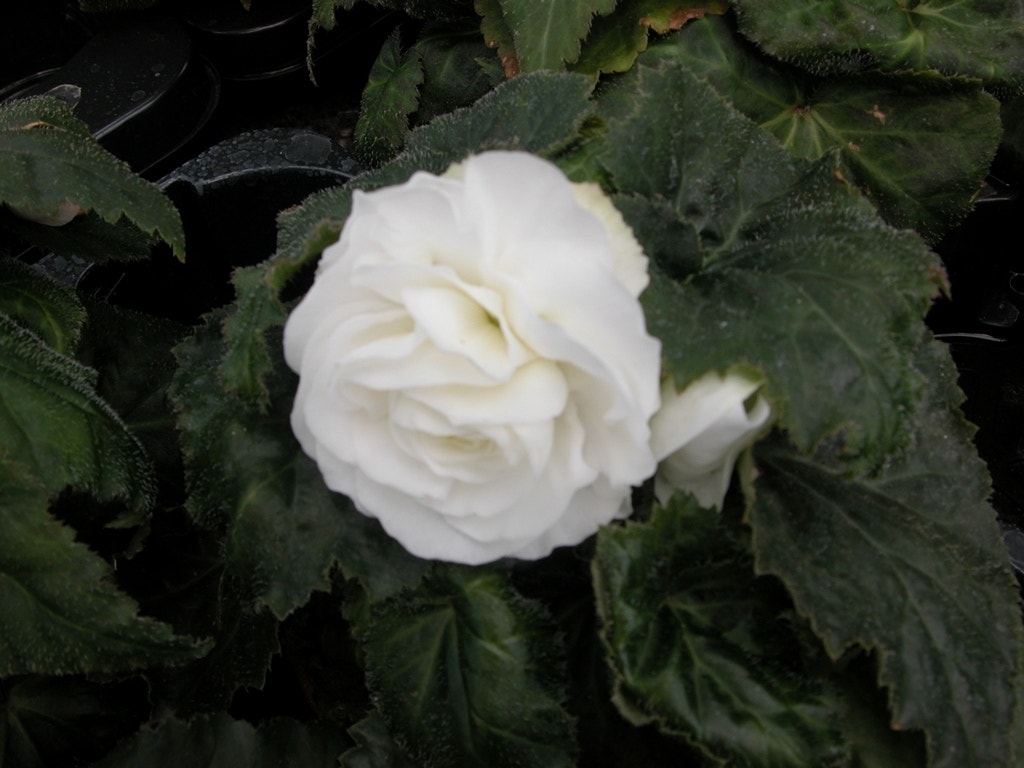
(466, 325)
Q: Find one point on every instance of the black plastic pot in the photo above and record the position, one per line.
(139, 86)
(37, 37)
(149, 86)
(267, 40)
(229, 198)
(264, 60)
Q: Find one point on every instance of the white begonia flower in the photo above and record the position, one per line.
(474, 366)
(698, 433)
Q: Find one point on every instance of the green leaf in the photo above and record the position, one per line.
(376, 747)
(911, 565)
(131, 354)
(47, 308)
(756, 84)
(62, 613)
(692, 638)
(248, 361)
(918, 145)
(86, 237)
(865, 721)
(1017, 730)
(248, 476)
(671, 137)
(51, 721)
(541, 113)
(673, 244)
(464, 672)
(547, 35)
(497, 34)
(563, 582)
(801, 279)
(324, 13)
(244, 642)
(181, 577)
(983, 40)
(616, 39)
(222, 742)
(389, 98)
(49, 159)
(457, 69)
(52, 420)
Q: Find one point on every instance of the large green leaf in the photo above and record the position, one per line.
(1017, 730)
(980, 39)
(497, 34)
(693, 640)
(865, 721)
(918, 144)
(800, 279)
(222, 742)
(131, 354)
(87, 238)
(547, 35)
(248, 360)
(324, 12)
(909, 564)
(606, 738)
(616, 39)
(49, 159)
(464, 672)
(671, 137)
(759, 86)
(540, 113)
(48, 721)
(181, 577)
(458, 69)
(376, 748)
(244, 642)
(52, 420)
(248, 476)
(43, 306)
(389, 98)
(62, 613)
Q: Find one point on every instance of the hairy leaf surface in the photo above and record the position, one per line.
(247, 475)
(376, 748)
(983, 40)
(800, 277)
(919, 145)
(464, 674)
(43, 306)
(547, 35)
(616, 39)
(62, 612)
(389, 98)
(222, 742)
(48, 159)
(52, 420)
(909, 564)
(693, 640)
